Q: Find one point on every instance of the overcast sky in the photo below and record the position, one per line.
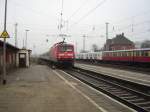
(88, 17)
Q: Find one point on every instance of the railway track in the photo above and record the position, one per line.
(131, 94)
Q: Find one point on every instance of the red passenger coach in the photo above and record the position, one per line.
(62, 54)
(130, 56)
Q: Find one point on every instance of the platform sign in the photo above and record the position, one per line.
(4, 35)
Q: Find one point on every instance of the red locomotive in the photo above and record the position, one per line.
(62, 54)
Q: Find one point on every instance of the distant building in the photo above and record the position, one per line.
(120, 42)
(145, 44)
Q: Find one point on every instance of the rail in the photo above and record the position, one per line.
(134, 95)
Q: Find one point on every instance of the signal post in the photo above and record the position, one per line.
(4, 35)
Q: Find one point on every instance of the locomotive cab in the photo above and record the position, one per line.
(65, 54)
(62, 54)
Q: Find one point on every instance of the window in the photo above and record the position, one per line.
(128, 54)
(145, 53)
(65, 48)
(149, 53)
(142, 53)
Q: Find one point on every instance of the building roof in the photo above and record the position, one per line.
(9, 46)
(120, 39)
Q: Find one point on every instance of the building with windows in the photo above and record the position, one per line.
(120, 42)
(11, 52)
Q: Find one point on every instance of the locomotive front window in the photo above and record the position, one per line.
(65, 48)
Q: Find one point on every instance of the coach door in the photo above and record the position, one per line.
(22, 59)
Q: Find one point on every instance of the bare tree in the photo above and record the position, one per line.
(94, 47)
(145, 44)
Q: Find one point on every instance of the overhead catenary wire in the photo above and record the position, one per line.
(89, 12)
(61, 16)
(132, 26)
(30, 9)
(76, 11)
(144, 13)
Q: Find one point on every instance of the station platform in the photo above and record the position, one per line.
(137, 77)
(41, 89)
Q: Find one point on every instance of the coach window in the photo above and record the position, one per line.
(137, 53)
(146, 53)
(127, 53)
(142, 53)
(134, 53)
(106, 54)
(131, 53)
(149, 53)
(124, 53)
(95, 55)
(120, 53)
(117, 53)
(113, 53)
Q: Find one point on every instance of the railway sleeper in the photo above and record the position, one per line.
(113, 89)
(118, 92)
(124, 95)
(146, 103)
(129, 97)
(105, 88)
(137, 100)
(147, 108)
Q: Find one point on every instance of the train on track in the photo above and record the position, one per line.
(62, 53)
(136, 56)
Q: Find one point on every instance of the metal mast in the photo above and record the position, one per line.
(107, 35)
(16, 34)
(26, 39)
(107, 31)
(4, 46)
(61, 17)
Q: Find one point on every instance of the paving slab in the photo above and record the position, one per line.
(39, 89)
